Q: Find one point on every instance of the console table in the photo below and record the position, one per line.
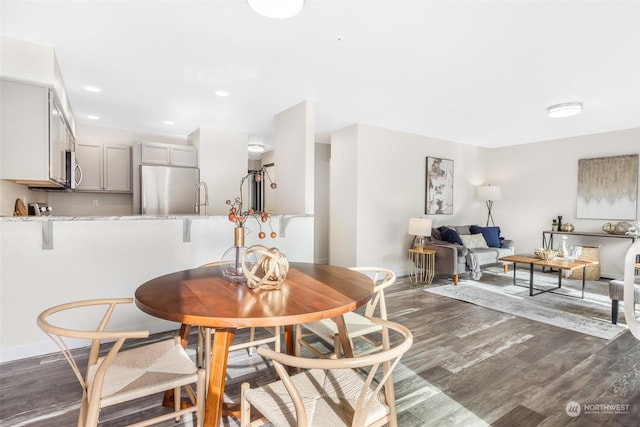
(547, 242)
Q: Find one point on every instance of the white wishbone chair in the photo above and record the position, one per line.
(331, 392)
(121, 376)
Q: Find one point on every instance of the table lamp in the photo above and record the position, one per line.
(419, 227)
(488, 194)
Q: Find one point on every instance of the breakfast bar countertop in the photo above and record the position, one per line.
(123, 217)
(103, 217)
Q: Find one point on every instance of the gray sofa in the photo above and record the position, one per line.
(454, 258)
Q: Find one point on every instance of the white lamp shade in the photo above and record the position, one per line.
(420, 226)
(489, 192)
(277, 9)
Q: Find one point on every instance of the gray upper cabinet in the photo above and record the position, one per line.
(105, 167)
(35, 135)
(168, 154)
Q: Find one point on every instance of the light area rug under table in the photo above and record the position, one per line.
(495, 290)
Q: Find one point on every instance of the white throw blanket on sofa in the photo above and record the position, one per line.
(473, 265)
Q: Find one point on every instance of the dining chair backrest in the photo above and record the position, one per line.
(382, 278)
(343, 390)
(357, 325)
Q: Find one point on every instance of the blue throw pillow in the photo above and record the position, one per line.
(450, 235)
(491, 235)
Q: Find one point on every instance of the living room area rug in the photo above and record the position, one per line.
(495, 290)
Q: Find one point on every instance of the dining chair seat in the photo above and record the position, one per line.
(143, 371)
(330, 397)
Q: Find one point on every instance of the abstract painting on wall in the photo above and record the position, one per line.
(439, 197)
(608, 187)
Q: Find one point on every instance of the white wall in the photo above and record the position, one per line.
(223, 161)
(343, 188)
(104, 135)
(321, 206)
(539, 181)
(381, 184)
(294, 158)
(378, 183)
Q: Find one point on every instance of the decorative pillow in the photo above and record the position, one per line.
(450, 235)
(473, 241)
(462, 229)
(491, 235)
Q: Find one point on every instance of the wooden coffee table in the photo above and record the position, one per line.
(558, 263)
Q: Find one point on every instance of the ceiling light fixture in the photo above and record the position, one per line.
(276, 9)
(93, 117)
(95, 89)
(565, 110)
(168, 122)
(222, 93)
(256, 147)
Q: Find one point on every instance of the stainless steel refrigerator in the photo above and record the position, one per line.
(168, 189)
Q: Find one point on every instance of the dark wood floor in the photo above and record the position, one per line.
(469, 366)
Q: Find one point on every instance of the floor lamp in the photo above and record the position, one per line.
(489, 194)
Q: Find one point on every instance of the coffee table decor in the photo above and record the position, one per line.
(269, 271)
(546, 253)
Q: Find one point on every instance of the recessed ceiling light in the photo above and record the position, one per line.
(567, 109)
(277, 9)
(168, 122)
(222, 93)
(93, 117)
(92, 89)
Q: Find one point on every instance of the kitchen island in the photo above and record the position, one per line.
(104, 257)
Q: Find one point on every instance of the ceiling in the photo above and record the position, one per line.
(474, 72)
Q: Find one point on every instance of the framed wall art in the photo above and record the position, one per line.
(608, 187)
(439, 187)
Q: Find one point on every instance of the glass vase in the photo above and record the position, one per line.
(231, 265)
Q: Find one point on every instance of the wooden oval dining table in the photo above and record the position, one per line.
(203, 297)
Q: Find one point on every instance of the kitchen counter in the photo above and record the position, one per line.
(105, 218)
(130, 217)
(278, 221)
